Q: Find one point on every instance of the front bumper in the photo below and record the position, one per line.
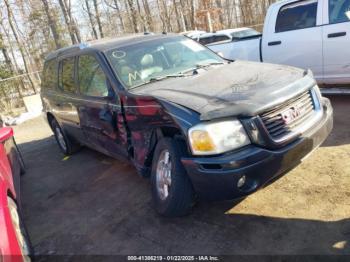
(216, 178)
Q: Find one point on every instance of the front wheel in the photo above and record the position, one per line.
(172, 189)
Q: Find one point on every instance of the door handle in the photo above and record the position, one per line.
(337, 35)
(275, 43)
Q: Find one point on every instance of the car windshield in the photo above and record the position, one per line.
(245, 33)
(140, 63)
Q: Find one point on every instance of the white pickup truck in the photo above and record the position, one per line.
(310, 34)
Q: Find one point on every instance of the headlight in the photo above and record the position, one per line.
(217, 138)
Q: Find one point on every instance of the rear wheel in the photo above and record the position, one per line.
(67, 146)
(20, 230)
(172, 190)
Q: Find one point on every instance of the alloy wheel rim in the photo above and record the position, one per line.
(163, 175)
(60, 139)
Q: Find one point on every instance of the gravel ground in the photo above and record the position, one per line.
(92, 204)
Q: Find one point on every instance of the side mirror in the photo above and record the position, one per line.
(5, 134)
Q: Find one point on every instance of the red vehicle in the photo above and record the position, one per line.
(14, 241)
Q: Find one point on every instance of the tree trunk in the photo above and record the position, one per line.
(119, 15)
(98, 18)
(72, 20)
(52, 24)
(192, 18)
(91, 19)
(133, 15)
(148, 15)
(66, 19)
(166, 16)
(140, 15)
(178, 18)
(184, 17)
(221, 18)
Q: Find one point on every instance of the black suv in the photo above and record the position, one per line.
(198, 125)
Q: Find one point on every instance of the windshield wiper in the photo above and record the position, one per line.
(209, 64)
(159, 78)
(200, 66)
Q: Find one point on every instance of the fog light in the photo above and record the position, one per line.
(241, 182)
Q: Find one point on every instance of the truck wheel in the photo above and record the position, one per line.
(20, 230)
(172, 190)
(65, 144)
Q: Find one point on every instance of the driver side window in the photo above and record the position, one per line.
(92, 79)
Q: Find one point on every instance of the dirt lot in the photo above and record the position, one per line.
(92, 204)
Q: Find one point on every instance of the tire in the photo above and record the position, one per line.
(66, 145)
(20, 230)
(176, 198)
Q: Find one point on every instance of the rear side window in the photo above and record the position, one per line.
(213, 39)
(296, 16)
(219, 38)
(206, 40)
(92, 79)
(50, 75)
(339, 11)
(67, 82)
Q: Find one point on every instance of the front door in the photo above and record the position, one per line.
(336, 42)
(99, 109)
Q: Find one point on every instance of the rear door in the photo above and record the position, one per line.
(100, 110)
(336, 42)
(296, 38)
(66, 98)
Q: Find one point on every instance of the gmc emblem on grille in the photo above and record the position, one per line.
(290, 115)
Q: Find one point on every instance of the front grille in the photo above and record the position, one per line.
(282, 120)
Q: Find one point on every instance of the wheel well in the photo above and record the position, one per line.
(9, 193)
(50, 117)
(169, 132)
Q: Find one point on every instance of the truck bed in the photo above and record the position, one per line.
(244, 49)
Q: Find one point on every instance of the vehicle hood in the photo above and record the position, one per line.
(235, 89)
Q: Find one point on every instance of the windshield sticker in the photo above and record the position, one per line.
(119, 54)
(133, 77)
(195, 47)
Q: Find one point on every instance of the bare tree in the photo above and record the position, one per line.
(26, 63)
(73, 30)
(52, 24)
(91, 19)
(98, 18)
(115, 5)
(133, 15)
(148, 15)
